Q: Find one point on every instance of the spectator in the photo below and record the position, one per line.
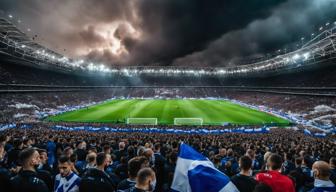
(288, 164)
(145, 181)
(43, 170)
(51, 150)
(4, 173)
(273, 177)
(96, 179)
(91, 160)
(297, 174)
(66, 180)
(44, 161)
(134, 165)
(332, 163)
(322, 183)
(13, 154)
(243, 180)
(121, 151)
(121, 169)
(27, 180)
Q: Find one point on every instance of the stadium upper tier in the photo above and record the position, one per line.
(16, 45)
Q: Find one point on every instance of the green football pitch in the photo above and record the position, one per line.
(213, 112)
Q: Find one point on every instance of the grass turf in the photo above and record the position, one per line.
(213, 112)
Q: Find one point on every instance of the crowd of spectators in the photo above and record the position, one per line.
(42, 159)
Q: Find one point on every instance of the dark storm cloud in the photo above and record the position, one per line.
(165, 32)
(287, 23)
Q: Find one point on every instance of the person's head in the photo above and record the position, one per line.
(121, 145)
(274, 162)
(92, 149)
(91, 158)
(29, 158)
(2, 151)
(321, 170)
(64, 165)
(217, 159)
(107, 149)
(68, 151)
(298, 162)
(109, 158)
(307, 161)
(141, 151)
(81, 145)
(27, 142)
(230, 152)
(18, 144)
(157, 147)
(245, 163)
(146, 179)
(267, 155)
(149, 153)
(130, 151)
(102, 160)
(134, 166)
(3, 140)
(222, 152)
(302, 153)
(43, 156)
(250, 153)
(288, 156)
(123, 160)
(73, 158)
(332, 162)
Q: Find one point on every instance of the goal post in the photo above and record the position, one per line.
(188, 121)
(142, 121)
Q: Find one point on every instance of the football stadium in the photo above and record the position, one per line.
(169, 95)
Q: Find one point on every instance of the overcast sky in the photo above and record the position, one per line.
(168, 32)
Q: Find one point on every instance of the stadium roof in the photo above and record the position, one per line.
(17, 44)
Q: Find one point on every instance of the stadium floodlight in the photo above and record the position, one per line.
(23, 46)
(10, 16)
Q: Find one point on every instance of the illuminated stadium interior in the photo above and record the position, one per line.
(150, 96)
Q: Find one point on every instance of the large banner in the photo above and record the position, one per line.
(159, 130)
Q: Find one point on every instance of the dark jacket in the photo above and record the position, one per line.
(28, 181)
(95, 180)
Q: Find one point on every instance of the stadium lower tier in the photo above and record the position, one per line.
(170, 112)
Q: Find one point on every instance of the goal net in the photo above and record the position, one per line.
(142, 121)
(188, 121)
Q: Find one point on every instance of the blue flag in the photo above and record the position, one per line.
(196, 173)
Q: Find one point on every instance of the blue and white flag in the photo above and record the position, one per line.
(307, 132)
(196, 173)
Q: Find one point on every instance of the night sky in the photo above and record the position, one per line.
(168, 32)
